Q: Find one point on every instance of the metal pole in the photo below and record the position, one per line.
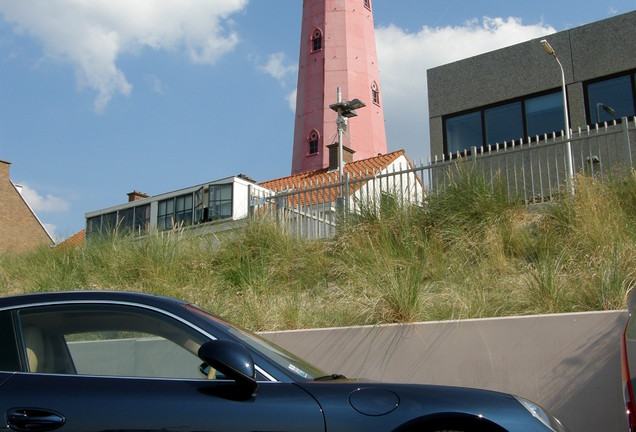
(628, 148)
(340, 199)
(339, 122)
(570, 167)
(568, 145)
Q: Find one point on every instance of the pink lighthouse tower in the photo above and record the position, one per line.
(337, 50)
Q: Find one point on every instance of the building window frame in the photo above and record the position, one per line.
(367, 4)
(93, 226)
(313, 141)
(175, 212)
(133, 220)
(622, 108)
(141, 224)
(220, 196)
(183, 210)
(165, 214)
(466, 121)
(316, 40)
(125, 220)
(375, 93)
(109, 223)
(451, 148)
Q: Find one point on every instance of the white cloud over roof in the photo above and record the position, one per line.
(39, 203)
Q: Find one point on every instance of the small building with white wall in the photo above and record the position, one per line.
(212, 205)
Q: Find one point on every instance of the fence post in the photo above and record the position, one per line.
(279, 207)
(345, 195)
(628, 148)
(250, 209)
(473, 153)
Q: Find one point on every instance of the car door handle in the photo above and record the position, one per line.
(34, 419)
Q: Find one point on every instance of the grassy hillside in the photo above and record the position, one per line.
(469, 253)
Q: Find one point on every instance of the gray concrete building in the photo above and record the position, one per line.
(516, 92)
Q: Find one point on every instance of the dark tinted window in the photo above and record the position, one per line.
(126, 220)
(463, 132)
(165, 216)
(504, 123)
(544, 114)
(316, 41)
(313, 146)
(142, 219)
(9, 360)
(183, 214)
(93, 225)
(109, 223)
(610, 99)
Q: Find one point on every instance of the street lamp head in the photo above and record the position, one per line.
(608, 109)
(347, 108)
(547, 47)
(355, 104)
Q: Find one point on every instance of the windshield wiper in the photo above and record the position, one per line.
(331, 377)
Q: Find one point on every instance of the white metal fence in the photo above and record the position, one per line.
(314, 210)
(534, 170)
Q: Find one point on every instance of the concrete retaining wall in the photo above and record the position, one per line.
(568, 363)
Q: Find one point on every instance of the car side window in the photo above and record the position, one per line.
(9, 360)
(109, 340)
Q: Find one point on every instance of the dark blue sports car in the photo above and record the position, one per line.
(115, 361)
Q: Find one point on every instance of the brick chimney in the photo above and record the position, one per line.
(136, 196)
(347, 156)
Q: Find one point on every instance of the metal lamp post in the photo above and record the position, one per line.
(345, 110)
(570, 167)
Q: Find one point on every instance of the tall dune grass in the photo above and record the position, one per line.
(470, 252)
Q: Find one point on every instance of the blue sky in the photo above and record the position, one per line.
(102, 97)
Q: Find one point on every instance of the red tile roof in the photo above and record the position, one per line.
(355, 169)
(324, 177)
(74, 241)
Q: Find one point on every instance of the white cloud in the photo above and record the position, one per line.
(404, 58)
(45, 204)
(291, 100)
(92, 34)
(278, 67)
(50, 228)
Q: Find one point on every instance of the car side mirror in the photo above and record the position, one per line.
(233, 360)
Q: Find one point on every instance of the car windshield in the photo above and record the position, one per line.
(274, 353)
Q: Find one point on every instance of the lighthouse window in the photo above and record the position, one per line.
(313, 146)
(375, 94)
(313, 143)
(316, 41)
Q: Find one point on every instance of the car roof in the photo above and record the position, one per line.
(73, 296)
